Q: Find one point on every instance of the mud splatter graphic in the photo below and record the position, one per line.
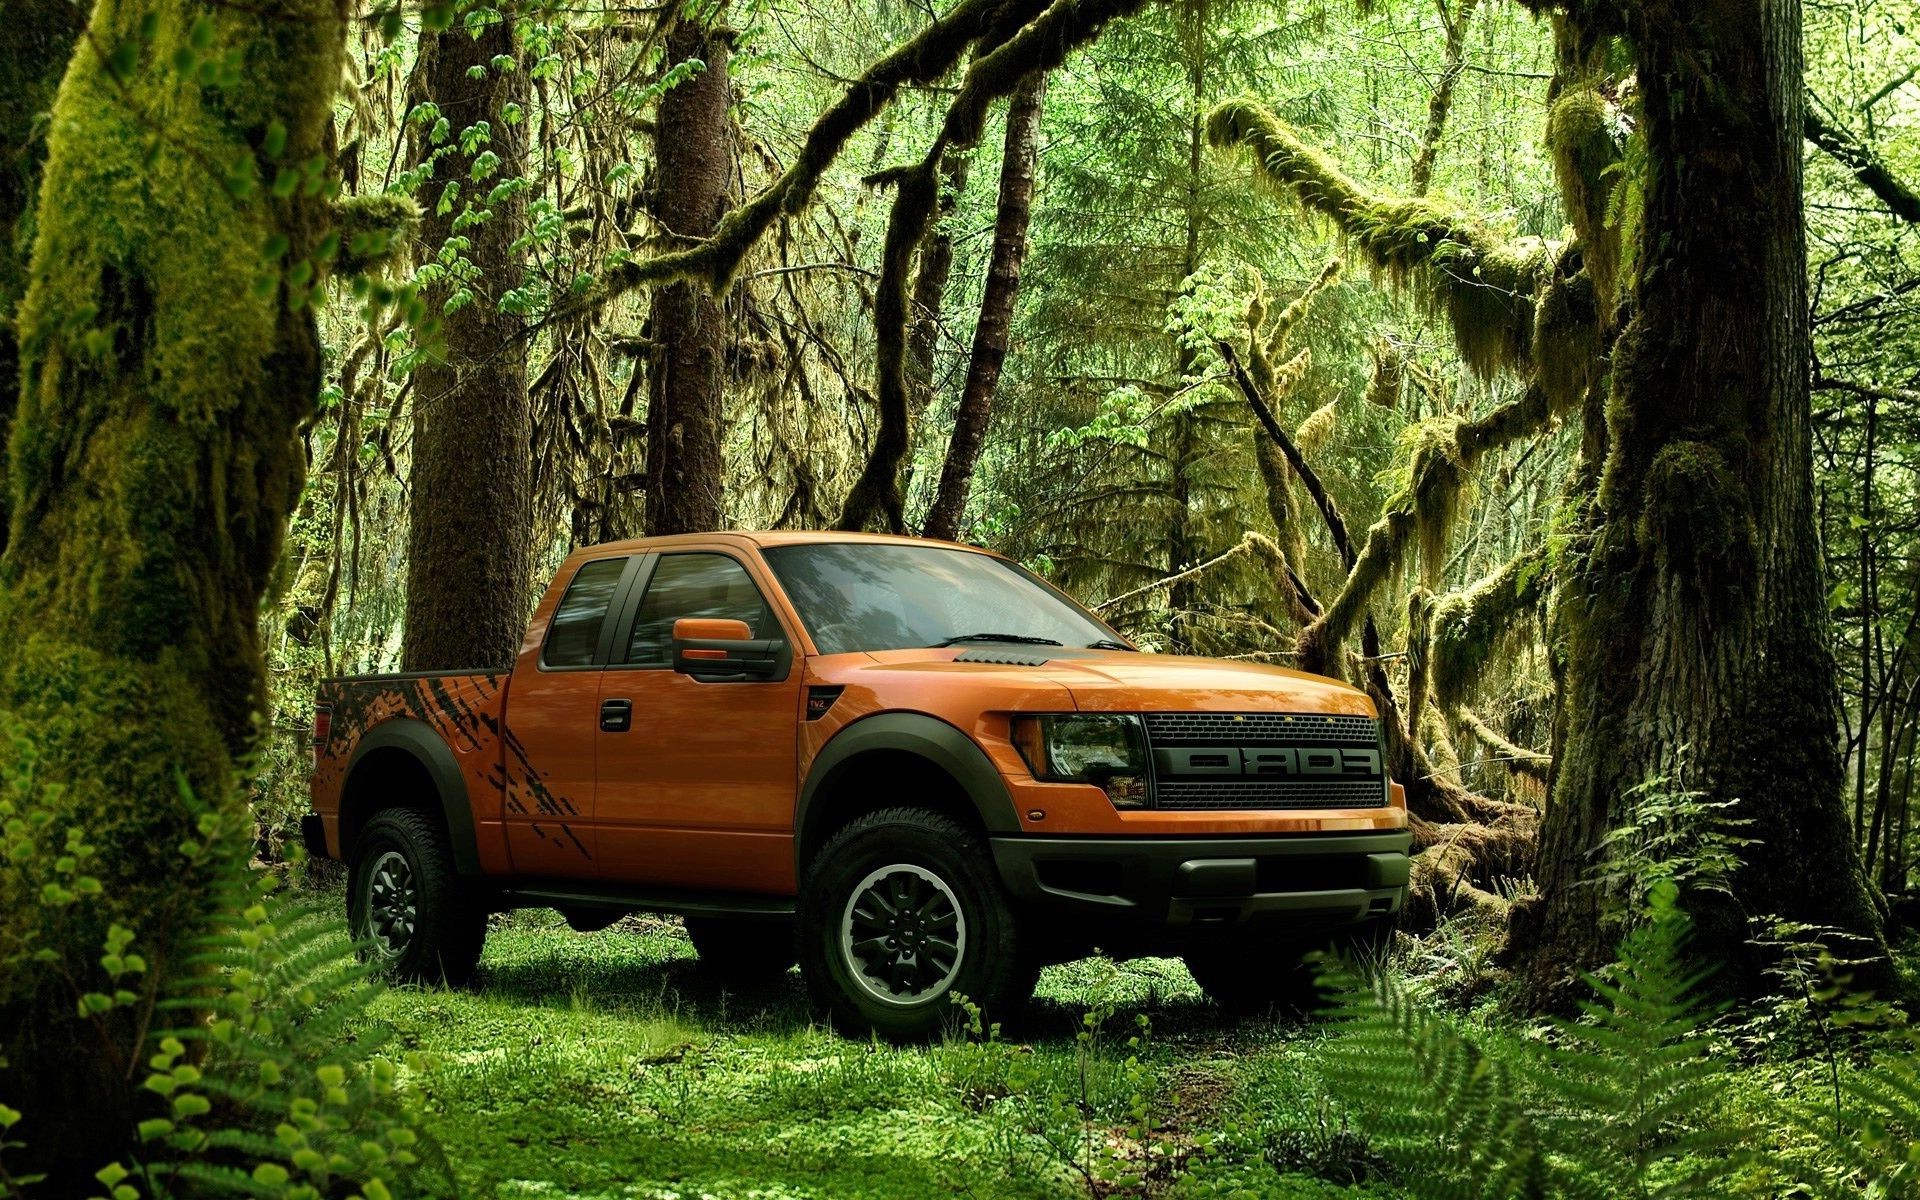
(464, 710)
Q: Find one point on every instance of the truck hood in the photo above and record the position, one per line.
(1115, 680)
(1124, 681)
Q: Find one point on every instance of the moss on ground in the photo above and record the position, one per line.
(602, 1065)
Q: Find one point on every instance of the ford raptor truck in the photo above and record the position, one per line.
(913, 766)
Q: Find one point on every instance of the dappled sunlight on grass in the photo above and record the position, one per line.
(607, 1064)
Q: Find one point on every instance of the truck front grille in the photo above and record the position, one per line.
(1263, 729)
(1265, 761)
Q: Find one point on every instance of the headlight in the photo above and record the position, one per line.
(1104, 749)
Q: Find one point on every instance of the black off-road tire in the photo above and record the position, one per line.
(888, 854)
(403, 855)
(743, 950)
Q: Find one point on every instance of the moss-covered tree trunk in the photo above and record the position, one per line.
(1692, 608)
(470, 536)
(169, 358)
(686, 402)
(993, 331)
(36, 41)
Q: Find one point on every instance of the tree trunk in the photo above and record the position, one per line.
(686, 402)
(930, 287)
(1694, 618)
(155, 460)
(993, 331)
(470, 541)
(36, 40)
(1441, 102)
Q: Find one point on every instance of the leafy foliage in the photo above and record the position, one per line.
(243, 1043)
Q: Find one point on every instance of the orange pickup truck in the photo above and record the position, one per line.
(915, 767)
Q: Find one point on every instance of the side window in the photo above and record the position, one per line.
(574, 633)
(694, 585)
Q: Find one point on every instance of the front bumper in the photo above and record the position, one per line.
(1174, 889)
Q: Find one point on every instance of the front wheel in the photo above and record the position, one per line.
(406, 905)
(901, 912)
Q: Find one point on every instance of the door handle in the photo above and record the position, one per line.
(616, 716)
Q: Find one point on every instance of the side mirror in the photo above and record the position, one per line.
(719, 648)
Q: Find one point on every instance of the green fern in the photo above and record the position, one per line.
(262, 1076)
(1614, 1104)
(298, 1100)
(1443, 1111)
(1867, 1139)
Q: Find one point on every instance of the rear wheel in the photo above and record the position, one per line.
(743, 951)
(406, 905)
(901, 912)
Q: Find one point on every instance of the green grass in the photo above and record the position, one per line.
(606, 1065)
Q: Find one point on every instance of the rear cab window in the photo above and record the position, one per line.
(573, 635)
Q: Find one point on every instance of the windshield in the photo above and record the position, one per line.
(863, 596)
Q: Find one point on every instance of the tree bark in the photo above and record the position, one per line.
(470, 541)
(686, 401)
(992, 333)
(1693, 614)
(930, 288)
(155, 458)
(36, 40)
(1441, 102)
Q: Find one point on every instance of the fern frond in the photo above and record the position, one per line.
(1442, 1110)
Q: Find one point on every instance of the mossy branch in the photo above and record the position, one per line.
(1468, 625)
(1518, 759)
(1040, 46)
(1445, 452)
(1483, 282)
(920, 60)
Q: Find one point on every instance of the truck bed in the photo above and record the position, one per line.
(464, 709)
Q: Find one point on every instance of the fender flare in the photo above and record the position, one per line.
(418, 740)
(922, 736)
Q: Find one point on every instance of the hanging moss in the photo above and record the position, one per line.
(371, 230)
(1469, 625)
(1567, 331)
(1697, 516)
(1580, 132)
(1318, 427)
(1439, 477)
(1389, 373)
(1484, 283)
(1419, 633)
(1275, 336)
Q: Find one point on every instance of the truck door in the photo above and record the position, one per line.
(553, 721)
(698, 791)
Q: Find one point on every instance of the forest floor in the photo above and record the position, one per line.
(606, 1065)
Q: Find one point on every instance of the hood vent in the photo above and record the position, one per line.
(1005, 658)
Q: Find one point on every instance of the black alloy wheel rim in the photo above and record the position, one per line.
(902, 935)
(393, 903)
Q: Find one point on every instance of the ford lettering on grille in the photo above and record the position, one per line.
(1284, 761)
(1265, 761)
